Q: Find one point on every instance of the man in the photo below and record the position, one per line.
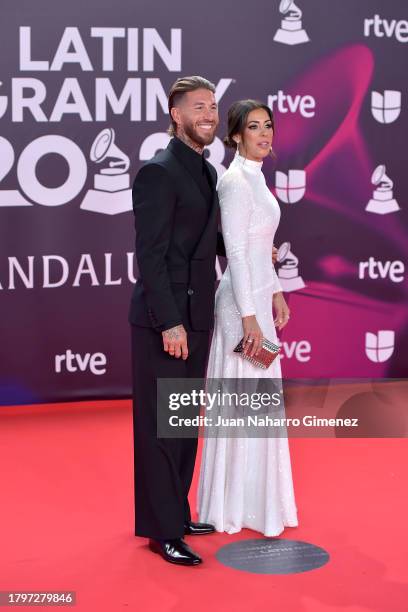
(172, 309)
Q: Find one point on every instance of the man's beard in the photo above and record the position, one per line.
(203, 141)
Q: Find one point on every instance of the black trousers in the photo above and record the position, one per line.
(163, 467)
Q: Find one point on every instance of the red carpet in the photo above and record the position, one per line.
(67, 520)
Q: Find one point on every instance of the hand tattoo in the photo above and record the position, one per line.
(174, 333)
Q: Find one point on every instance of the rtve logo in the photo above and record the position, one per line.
(290, 188)
(394, 270)
(298, 349)
(386, 107)
(384, 27)
(306, 105)
(379, 347)
(72, 362)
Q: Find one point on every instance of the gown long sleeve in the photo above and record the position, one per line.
(236, 209)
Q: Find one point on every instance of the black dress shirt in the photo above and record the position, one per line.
(196, 165)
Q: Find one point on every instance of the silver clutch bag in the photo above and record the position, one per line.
(268, 352)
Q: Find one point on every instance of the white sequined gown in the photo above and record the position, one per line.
(245, 482)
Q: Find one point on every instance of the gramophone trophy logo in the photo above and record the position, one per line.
(111, 194)
(291, 31)
(288, 272)
(383, 201)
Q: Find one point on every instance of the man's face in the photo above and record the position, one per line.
(197, 115)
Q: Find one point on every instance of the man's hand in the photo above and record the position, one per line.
(282, 312)
(274, 254)
(175, 342)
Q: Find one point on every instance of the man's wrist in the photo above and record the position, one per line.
(169, 325)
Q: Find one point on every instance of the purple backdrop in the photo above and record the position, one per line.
(82, 89)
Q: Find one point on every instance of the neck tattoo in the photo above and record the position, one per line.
(189, 142)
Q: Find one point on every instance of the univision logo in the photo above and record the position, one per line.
(386, 107)
(379, 347)
(290, 188)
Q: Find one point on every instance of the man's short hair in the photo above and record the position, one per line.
(181, 87)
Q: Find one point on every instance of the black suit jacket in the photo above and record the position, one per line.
(176, 245)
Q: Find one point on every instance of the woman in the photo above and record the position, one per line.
(247, 482)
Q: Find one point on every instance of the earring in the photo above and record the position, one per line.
(237, 150)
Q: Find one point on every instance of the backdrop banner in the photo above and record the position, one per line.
(83, 102)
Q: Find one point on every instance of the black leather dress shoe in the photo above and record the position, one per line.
(175, 551)
(191, 528)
